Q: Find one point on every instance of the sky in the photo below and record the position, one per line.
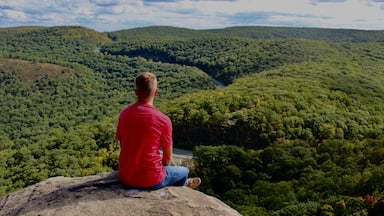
(113, 15)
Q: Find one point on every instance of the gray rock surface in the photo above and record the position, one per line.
(104, 195)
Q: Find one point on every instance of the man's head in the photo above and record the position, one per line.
(146, 85)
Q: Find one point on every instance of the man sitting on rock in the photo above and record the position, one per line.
(142, 131)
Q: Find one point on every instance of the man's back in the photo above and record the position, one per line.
(142, 131)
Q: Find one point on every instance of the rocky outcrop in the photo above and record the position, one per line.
(104, 195)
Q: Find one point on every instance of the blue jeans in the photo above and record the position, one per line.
(176, 176)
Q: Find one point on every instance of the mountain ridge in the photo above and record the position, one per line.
(254, 32)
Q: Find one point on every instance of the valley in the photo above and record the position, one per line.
(280, 121)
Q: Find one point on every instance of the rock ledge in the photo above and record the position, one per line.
(104, 195)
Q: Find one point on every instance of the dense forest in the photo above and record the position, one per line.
(281, 121)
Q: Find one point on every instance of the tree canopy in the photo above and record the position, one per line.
(282, 121)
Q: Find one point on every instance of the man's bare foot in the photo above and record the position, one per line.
(193, 182)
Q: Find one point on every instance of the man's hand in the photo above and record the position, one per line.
(167, 156)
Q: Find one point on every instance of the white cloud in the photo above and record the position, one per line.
(14, 14)
(109, 15)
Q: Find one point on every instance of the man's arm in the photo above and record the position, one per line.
(167, 155)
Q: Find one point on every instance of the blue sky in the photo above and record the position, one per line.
(112, 15)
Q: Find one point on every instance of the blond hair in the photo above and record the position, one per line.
(145, 84)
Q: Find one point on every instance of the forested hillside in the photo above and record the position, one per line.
(60, 99)
(255, 32)
(296, 128)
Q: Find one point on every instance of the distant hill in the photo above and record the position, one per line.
(158, 33)
(177, 33)
(255, 32)
(20, 29)
(335, 35)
